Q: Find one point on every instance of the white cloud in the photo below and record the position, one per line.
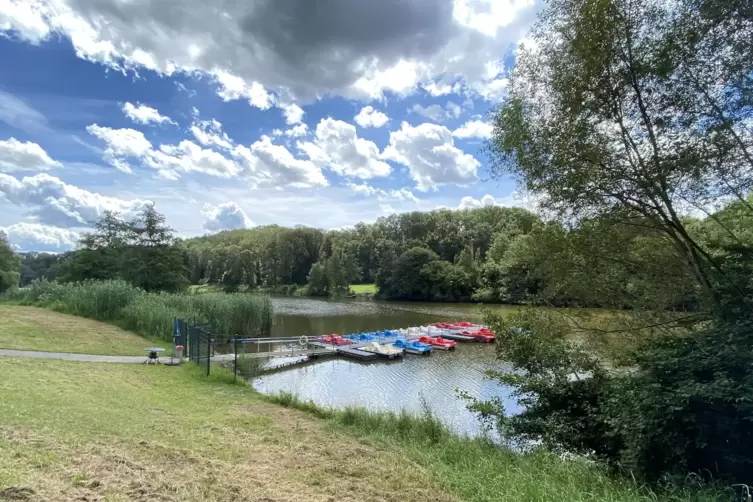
(438, 113)
(270, 165)
(169, 160)
(402, 194)
(233, 87)
(515, 199)
(297, 131)
(121, 144)
(37, 237)
(187, 157)
(57, 203)
(370, 117)
(24, 156)
(142, 114)
(293, 114)
(226, 216)
(263, 49)
(485, 201)
(336, 146)
(474, 129)
(430, 154)
(210, 133)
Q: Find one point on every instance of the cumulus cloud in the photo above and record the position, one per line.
(438, 113)
(474, 129)
(121, 145)
(402, 194)
(210, 133)
(24, 156)
(515, 199)
(370, 117)
(142, 114)
(430, 154)
(297, 131)
(270, 165)
(37, 237)
(256, 50)
(337, 147)
(293, 114)
(54, 202)
(126, 145)
(227, 216)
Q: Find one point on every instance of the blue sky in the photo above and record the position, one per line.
(229, 116)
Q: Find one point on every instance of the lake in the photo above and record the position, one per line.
(409, 383)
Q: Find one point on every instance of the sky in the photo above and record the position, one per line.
(229, 114)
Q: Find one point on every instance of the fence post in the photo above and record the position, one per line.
(209, 353)
(235, 363)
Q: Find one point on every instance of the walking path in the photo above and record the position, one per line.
(92, 358)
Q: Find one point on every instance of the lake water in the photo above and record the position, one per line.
(409, 383)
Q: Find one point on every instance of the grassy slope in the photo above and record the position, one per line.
(75, 431)
(33, 328)
(360, 289)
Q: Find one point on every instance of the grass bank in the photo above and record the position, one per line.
(77, 431)
(479, 471)
(34, 328)
(363, 289)
(148, 314)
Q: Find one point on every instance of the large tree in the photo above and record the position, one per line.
(626, 118)
(639, 110)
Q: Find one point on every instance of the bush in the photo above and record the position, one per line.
(680, 404)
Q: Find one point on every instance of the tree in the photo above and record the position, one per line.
(613, 113)
(142, 251)
(621, 118)
(9, 264)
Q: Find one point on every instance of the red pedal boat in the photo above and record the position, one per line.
(438, 343)
(335, 340)
(482, 335)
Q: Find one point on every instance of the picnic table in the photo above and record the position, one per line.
(153, 354)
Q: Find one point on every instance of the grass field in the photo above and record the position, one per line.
(361, 289)
(110, 432)
(34, 328)
(76, 431)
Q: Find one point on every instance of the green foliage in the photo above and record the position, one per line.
(9, 265)
(38, 266)
(273, 255)
(141, 251)
(622, 117)
(150, 314)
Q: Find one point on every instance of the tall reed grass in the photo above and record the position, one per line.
(150, 314)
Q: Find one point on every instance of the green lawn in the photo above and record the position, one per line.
(33, 328)
(77, 431)
(361, 289)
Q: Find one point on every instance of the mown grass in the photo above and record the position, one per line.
(77, 431)
(480, 471)
(34, 328)
(363, 289)
(149, 314)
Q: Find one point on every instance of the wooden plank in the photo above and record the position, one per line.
(355, 353)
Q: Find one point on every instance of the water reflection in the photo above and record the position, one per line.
(404, 384)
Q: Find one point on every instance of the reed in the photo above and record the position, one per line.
(150, 314)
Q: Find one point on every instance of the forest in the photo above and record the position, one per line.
(489, 254)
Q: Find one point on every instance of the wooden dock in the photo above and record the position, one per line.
(347, 351)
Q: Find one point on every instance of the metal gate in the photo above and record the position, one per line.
(200, 337)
